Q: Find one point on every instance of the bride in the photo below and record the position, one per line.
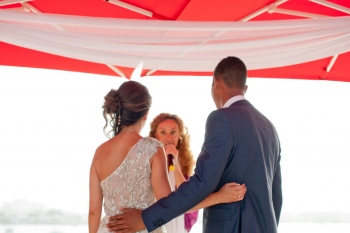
(130, 170)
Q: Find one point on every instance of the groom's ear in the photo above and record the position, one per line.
(245, 89)
(219, 83)
(215, 82)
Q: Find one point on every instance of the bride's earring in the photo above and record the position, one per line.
(116, 129)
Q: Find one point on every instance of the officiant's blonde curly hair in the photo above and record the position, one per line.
(183, 146)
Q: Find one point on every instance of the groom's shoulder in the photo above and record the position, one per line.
(217, 115)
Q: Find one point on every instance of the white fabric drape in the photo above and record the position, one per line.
(177, 45)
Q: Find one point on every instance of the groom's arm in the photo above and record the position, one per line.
(210, 165)
(277, 191)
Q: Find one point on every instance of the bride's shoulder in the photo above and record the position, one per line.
(152, 141)
(151, 146)
(102, 150)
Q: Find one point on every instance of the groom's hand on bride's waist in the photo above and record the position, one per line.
(129, 221)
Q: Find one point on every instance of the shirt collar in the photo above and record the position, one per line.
(232, 100)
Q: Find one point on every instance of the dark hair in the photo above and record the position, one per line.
(185, 155)
(232, 71)
(131, 102)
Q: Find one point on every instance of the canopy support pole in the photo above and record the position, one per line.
(332, 5)
(331, 63)
(10, 2)
(297, 13)
(131, 7)
(262, 10)
(118, 71)
(29, 7)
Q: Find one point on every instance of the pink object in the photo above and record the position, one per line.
(190, 219)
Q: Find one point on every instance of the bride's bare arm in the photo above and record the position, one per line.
(95, 202)
(230, 192)
(159, 174)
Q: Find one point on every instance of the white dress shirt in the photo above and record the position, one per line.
(232, 100)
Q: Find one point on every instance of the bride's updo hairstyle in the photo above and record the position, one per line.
(125, 106)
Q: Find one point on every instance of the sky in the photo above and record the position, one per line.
(51, 123)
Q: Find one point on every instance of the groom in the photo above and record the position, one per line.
(241, 145)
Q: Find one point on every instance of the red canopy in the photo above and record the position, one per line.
(332, 68)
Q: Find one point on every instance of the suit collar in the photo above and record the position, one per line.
(233, 100)
(241, 102)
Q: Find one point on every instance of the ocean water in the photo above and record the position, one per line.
(301, 228)
(197, 228)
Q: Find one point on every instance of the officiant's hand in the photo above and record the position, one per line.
(129, 221)
(171, 149)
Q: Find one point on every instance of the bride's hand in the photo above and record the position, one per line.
(231, 192)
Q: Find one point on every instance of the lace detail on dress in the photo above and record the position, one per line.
(130, 184)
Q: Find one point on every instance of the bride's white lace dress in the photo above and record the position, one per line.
(130, 184)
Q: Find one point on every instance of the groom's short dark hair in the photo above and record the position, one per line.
(232, 71)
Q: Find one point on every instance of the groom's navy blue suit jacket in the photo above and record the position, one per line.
(241, 145)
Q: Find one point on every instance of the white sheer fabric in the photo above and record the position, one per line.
(177, 45)
(177, 225)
